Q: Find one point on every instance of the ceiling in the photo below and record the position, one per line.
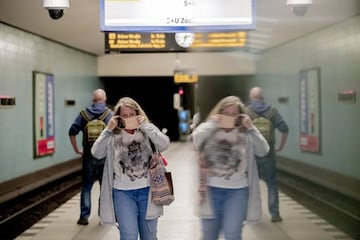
(80, 27)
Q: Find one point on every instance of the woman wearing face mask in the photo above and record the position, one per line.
(229, 185)
(125, 199)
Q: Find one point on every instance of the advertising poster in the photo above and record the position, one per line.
(310, 127)
(44, 110)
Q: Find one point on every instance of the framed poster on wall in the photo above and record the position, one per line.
(43, 114)
(310, 112)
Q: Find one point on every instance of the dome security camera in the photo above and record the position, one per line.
(56, 7)
(299, 7)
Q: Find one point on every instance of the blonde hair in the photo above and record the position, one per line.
(225, 102)
(130, 103)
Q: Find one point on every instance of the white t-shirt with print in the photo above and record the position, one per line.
(131, 162)
(224, 153)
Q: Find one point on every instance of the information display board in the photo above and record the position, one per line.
(176, 15)
(168, 42)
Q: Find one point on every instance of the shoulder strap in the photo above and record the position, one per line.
(85, 115)
(270, 113)
(152, 146)
(251, 113)
(105, 114)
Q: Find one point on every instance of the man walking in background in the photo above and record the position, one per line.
(91, 121)
(266, 118)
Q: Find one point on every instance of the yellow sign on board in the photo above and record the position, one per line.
(184, 76)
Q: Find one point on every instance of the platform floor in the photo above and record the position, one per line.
(180, 221)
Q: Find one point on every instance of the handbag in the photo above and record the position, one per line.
(161, 184)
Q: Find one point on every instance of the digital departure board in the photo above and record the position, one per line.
(176, 15)
(169, 42)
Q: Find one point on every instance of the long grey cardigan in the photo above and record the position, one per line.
(104, 147)
(255, 145)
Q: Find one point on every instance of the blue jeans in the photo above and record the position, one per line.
(92, 170)
(267, 172)
(130, 211)
(230, 208)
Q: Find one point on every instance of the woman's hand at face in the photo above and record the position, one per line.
(140, 119)
(246, 121)
(216, 118)
(113, 123)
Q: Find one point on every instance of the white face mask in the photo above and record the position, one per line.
(227, 121)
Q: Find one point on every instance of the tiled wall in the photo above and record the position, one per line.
(74, 71)
(336, 51)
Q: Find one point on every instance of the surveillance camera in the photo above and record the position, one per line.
(56, 7)
(299, 7)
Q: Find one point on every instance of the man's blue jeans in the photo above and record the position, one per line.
(267, 172)
(92, 170)
(130, 211)
(230, 208)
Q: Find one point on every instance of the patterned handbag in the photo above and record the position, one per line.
(161, 184)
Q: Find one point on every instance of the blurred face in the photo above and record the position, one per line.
(231, 111)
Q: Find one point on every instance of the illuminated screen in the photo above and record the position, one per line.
(176, 15)
(184, 115)
(183, 128)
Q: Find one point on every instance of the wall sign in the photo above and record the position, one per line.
(7, 101)
(348, 96)
(310, 117)
(43, 114)
(185, 76)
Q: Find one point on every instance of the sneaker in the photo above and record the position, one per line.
(82, 221)
(276, 219)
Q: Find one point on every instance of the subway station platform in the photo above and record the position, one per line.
(180, 221)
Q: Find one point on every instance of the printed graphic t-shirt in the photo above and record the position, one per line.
(131, 162)
(224, 154)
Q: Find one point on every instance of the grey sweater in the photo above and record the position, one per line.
(104, 147)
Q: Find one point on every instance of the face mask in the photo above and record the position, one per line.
(131, 123)
(227, 121)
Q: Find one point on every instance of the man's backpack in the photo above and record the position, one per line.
(264, 124)
(93, 127)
